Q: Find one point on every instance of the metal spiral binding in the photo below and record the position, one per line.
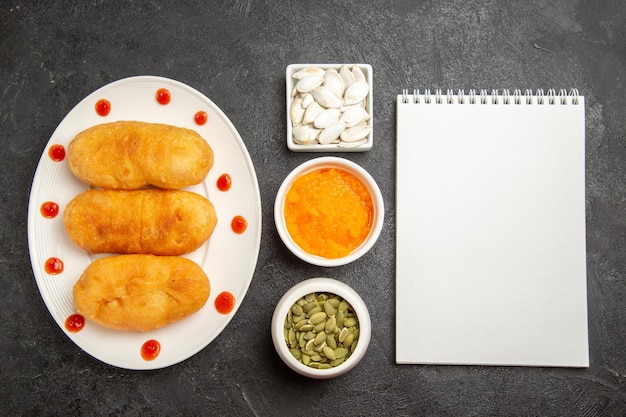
(552, 97)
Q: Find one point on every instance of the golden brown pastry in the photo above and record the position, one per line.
(128, 155)
(160, 222)
(141, 292)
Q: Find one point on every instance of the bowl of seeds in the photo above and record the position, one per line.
(321, 328)
(329, 107)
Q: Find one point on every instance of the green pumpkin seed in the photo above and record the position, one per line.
(334, 301)
(330, 325)
(349, 322)
(340, 316)
(306, 359)
(296, 353)
(297, 309)
(329, 309)
(343, 305)
(337, 362)
(348, 340)
(306, 327)
(353, 347)
(329, 353)
(320, 338)
(330, 341)
(298, 324)
(317, 317)
(342, 335)
(309, 306)
(319, 348)
(340, 352)
(325, 366)
(310, 345)
(314, 311)
(319, 327)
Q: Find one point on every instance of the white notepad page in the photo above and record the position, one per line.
(491, 258)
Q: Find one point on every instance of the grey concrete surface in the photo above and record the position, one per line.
(52, 54)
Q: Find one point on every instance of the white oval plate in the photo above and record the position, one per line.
(227, 258)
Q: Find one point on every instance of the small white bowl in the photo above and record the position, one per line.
(321, 285)
(366, 179)
(290, 81)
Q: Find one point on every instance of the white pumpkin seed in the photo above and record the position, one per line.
(356, 93)
(305, 72)
(332, 80)
(331, 133)
(355, 133)
(358, 74)
(305, 134)
(326, 118)
(326, 97)
(354, 115)
(307, 98)
(296, 112)
(309, 83)
(311, 112)
(353, 144)
(346, 76)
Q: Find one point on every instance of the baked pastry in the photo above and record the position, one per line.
(140, 293)
(147, 221)
(128, 155)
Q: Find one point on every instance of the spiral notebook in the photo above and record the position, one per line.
(491, 257)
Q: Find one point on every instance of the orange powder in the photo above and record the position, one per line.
(328, 212)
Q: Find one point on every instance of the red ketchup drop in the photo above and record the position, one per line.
(56, 153)
(163, 96)
(224, 182)
(150, 350)
(239, 224)
(49, 209)
(53, 266)
(74, 323)
(225, 302)
(200, 117)
(103, 107)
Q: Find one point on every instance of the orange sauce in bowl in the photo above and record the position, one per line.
(328, 212)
